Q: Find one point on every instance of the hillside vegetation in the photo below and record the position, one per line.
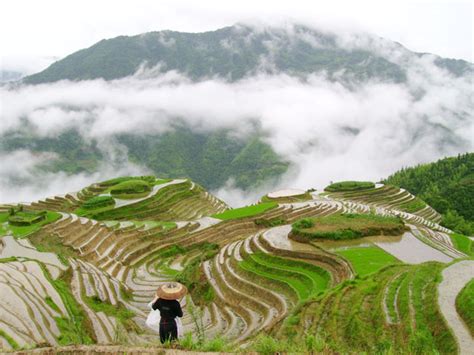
(226, 52)
(346, 226)
(465, 306)
(447, 185)
(179, 152)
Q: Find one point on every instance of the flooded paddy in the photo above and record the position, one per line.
(413, 251)
(10, 247)
(360, 242)
(278, 238)
(406, 247)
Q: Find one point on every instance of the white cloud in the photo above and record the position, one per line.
(329, 132)
(21, 182)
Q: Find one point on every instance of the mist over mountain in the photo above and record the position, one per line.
(236, 108)
(10, 75)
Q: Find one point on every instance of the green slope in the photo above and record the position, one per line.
(447, 185)
(230, 52)
(208, 158)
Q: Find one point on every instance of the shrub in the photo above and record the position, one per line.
(346, 226)
(267, 223)
(98, 202)
(23, 218)
(130, 187)
(149, 179)
(465, 305)
(303, 223)
(193, 277)
(414, 205)
(349, 186)
(247, 211)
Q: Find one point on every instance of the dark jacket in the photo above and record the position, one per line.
(169, 309)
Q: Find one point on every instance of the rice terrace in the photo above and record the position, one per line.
(356, 267)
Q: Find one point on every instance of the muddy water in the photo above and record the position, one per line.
(413, 251)
(205, 222)
(9, 246)
(176, 264)
(361, 242)
(278, 237)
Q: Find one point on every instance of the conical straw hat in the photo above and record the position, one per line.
(171, 291)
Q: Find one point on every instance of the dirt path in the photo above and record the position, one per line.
(108, 350)
(454, 279)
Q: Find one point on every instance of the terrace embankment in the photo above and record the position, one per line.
(389, 197)
(95, 273)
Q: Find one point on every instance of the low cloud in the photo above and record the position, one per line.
(328, 131)
(20, 181)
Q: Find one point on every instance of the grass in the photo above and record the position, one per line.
(49, 301)
(217, 344)
(305, 279)
(247, 211)
(130, 187)
(98, 202)
(465, 305)
(308, 344)
(150, 179)
(391, 295)
(462, 243)
(192, 276)
(76, 329)
(8, 260)
(9, 340)
(367, 260)
(119, 311)
(288, 199)
(414, 205)
(350, 318)
(349, 186)
(26, 218)
(23, 231)
(346, 226)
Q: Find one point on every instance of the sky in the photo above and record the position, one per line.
(35, 33)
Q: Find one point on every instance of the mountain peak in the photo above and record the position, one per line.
(239, 51)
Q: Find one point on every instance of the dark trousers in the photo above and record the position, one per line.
(168, 330)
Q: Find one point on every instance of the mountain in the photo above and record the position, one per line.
(346, 270)
(233, 53)
(10, 75)
(447, 185)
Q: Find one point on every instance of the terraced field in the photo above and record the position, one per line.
(87, 275)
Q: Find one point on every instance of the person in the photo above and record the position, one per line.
(166, 302)
(169, 310)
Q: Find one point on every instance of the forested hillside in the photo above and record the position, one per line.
(209, 158)
(447, 185)
(233, 53)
